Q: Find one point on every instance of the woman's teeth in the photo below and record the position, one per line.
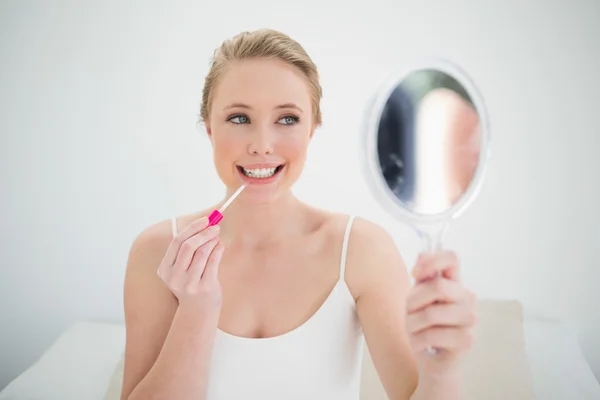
(259, 172)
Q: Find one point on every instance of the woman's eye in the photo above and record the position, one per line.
(289, 120)
(239, 119)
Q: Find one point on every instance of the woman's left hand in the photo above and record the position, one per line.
(440, 314)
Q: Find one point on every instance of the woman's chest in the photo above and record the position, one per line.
(270, 293)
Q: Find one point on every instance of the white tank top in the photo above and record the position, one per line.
(321, 359)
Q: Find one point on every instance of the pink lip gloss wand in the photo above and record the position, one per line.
(217, 215)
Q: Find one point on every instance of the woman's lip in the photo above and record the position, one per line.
(260, 181)
(260, 165)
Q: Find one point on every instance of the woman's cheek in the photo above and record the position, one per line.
(294, 145)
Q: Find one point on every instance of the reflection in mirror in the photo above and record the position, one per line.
(429, 141)
(426, 142)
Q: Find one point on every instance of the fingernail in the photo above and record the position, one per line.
(203, 220)
(428, 278)
(215, 228)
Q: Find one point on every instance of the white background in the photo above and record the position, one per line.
(98, 105)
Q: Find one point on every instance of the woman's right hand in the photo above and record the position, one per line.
(191, 264)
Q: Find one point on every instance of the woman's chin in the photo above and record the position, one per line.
(264, 194)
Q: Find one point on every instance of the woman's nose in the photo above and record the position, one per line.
(262, 142)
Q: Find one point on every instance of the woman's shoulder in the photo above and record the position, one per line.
(361, 230)
(153, 240)
(372, 255)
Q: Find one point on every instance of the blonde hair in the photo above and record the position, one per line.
(262, 43)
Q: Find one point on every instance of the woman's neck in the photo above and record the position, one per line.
(249, 223)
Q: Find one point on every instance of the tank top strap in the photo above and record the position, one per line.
(174, 226)
(345, 247)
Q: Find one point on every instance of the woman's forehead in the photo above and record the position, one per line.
(262, 83)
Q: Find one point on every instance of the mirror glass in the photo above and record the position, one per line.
(427, 140)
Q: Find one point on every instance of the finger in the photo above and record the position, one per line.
(445, 338)
(180, 238)
(191, 245)
(198, 263)
(444, 263)
(437, 290)
(438, 315)
(430, 265)
(211, 272)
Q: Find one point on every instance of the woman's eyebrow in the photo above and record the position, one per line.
(246, 106)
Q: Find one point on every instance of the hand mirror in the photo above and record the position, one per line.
(426, 144)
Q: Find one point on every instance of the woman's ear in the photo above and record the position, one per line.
(312, 131)
(207, 128)
(203, 127)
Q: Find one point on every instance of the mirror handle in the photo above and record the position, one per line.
(433, 237)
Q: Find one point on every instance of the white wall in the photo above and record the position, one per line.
(98, 140)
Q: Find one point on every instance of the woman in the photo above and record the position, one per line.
(275, 301)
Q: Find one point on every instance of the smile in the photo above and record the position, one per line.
(260, 173)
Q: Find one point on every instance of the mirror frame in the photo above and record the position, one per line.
(375, 180)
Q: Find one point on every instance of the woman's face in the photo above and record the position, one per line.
(260, 125)
(450, 132)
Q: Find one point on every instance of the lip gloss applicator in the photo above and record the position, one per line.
(217, 215)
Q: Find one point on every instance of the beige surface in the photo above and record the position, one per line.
(495, 369)
(497, 366)
(114, 387)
